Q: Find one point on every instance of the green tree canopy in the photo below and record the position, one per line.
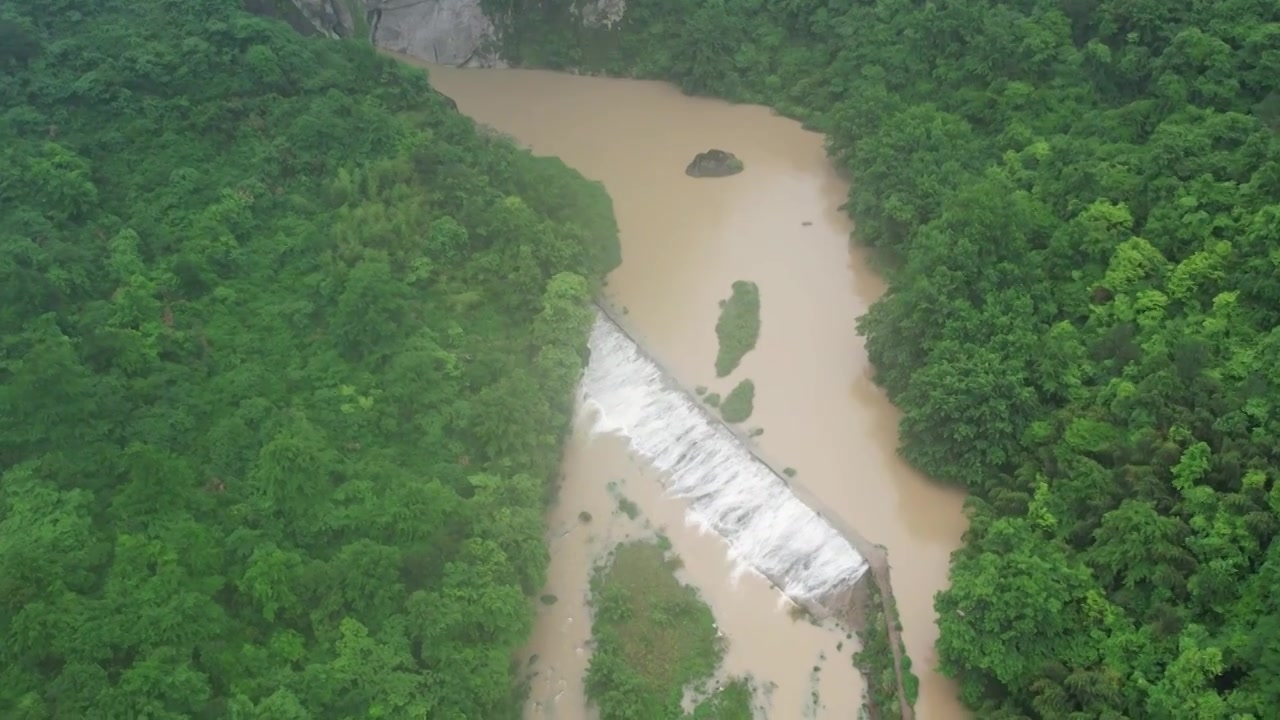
(287, 351)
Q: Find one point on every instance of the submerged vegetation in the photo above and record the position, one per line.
(731, 702)
(739, 403)
(287, 352)
(1077, 206)
(653, 639)
(738, 328)
(628, 507)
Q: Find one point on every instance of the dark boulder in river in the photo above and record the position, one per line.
(714, 163)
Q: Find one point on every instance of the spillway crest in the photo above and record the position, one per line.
(730, 491)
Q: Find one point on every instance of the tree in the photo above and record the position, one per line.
(248, 318)
(1017, 605)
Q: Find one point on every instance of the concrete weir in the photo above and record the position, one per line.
(772, 524)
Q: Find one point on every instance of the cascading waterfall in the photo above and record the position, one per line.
(729, 490)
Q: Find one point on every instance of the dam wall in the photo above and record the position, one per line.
(773, 524)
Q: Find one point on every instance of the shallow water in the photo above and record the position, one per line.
(765, 641)
(684, 242)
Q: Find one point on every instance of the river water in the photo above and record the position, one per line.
(684, 242)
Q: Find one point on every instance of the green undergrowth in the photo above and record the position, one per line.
(654, 637)
(359, 19)
(281, 10)
(289, 12)
(739, 326)
(875, 658)
(731, 702)
(739, 403)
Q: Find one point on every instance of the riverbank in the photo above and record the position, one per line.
(882, 659)
(778, 224)
(867, 608)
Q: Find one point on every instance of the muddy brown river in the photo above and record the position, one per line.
(684, 242)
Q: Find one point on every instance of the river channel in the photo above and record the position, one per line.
(684, 242)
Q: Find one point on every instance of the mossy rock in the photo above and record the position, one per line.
(714, 163)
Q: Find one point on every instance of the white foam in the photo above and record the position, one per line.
(729, 490)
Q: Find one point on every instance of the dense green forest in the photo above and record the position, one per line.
(287, 351)
(1078, 206)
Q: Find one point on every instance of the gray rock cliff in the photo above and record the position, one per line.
(450, 32)
(330, 17)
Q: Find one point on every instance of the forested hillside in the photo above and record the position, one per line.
(1078, 203)
(286, 353)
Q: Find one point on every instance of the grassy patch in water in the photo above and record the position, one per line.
(738, 328)
(731, 702)
(739, 403)
(654, 637)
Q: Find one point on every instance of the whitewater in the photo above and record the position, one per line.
(728, 489)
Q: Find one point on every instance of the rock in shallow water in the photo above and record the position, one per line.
(714, 163)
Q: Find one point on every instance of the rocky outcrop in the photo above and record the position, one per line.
(329, 17)
(714, 163)
(449, 32)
